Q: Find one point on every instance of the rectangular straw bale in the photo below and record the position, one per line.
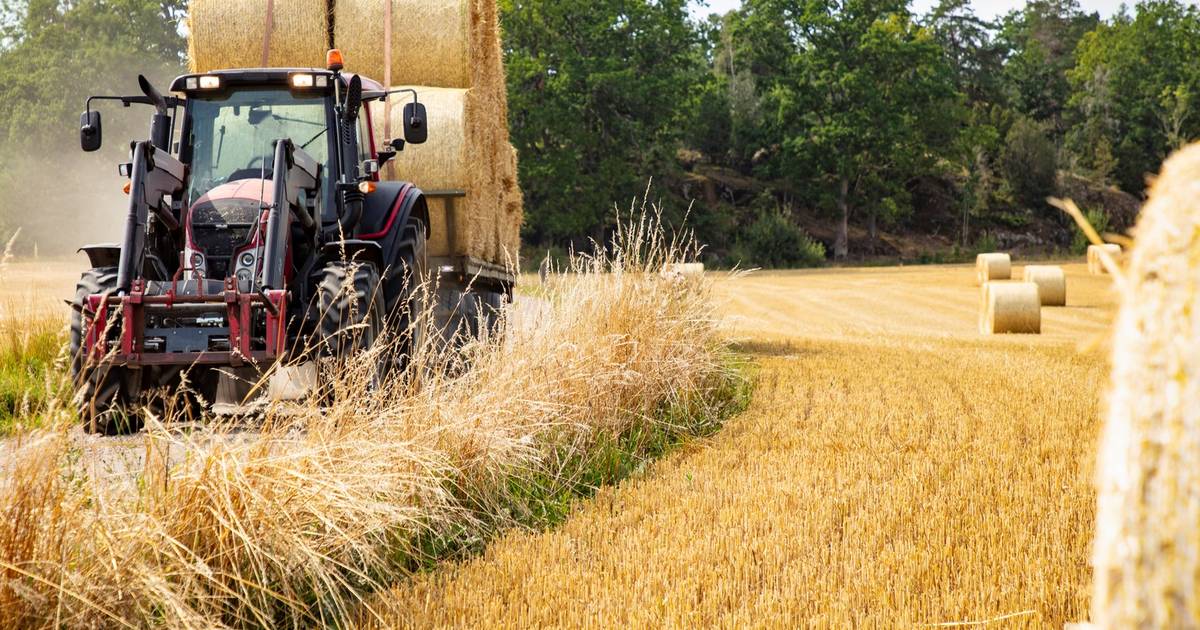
(439, 43)
(463, 152)
(225, 34)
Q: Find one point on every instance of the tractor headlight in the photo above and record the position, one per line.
(302, 80)
(210, 82)
(247, 259)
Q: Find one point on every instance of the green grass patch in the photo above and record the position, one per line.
(31, 373)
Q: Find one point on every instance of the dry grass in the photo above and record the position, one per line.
(895, 469)
(293, 523)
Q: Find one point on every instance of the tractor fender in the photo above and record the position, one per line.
(388, 209)
(353, 250)
(102, 254)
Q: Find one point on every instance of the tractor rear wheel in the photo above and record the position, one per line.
(350, 318)
(103, 393)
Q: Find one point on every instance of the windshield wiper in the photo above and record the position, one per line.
(310, 140)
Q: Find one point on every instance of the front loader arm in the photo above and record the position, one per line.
(295, 175)
(153, 173)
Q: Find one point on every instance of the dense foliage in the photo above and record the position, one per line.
(847, 121)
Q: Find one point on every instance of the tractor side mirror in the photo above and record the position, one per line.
(89, 131)
(415, 131)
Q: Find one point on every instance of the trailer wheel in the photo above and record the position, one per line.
(350, 315)
(103, 394)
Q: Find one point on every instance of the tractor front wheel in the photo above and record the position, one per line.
(350, 310)
(103, 393)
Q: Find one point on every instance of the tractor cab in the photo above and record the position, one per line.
(231, 125)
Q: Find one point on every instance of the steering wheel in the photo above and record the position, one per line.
(250, 171)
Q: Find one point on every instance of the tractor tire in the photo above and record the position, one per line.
(407, 314)
(350, 317)
(103, 394)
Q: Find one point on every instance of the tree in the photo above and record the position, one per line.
(1030, 162)
(53, 54)
(864, 106)
(1041, 39)
(1134, 95)
(597, 90)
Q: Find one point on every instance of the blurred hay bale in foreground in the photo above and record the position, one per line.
(1147, 548)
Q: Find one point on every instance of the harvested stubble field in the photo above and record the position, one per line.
(894, 469)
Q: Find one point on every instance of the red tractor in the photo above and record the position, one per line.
(257, 233)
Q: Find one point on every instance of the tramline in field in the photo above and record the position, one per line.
(258, 232)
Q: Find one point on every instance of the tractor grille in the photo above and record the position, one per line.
(220, 228)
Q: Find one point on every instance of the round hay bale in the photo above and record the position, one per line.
(465, 151)
(230, 34)
(992, 267)
(513, 212)
(1010, 307)
(440, 43)
(1147, 545)
(1051, 282)
(1095, 264)
(688, 269)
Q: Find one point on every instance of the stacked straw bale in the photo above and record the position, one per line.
(465, 151)
(1051, 282)
(438, 43)
(225, 34)
(1095, 264)
(449, 50)
(992, 267)
(1010, 307)
(1147, 547)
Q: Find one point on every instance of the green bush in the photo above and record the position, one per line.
(773, 240)
(1080, 242)
(1029, 162)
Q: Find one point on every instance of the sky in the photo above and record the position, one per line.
(985, 8)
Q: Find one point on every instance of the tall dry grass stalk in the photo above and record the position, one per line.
(294, 522)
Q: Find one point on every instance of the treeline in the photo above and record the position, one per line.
(784, 133)
(845, 119)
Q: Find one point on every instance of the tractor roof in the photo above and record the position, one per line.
(269, 76)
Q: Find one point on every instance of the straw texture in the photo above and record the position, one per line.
(1051, 282)
(439, 43)
(1095, 266)
(992, 267)
(225, 34)
(1147, 549)
(467, 150)
(1010, 307)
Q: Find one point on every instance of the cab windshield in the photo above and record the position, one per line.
(232, 135)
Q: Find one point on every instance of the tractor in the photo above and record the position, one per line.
(258, 234)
